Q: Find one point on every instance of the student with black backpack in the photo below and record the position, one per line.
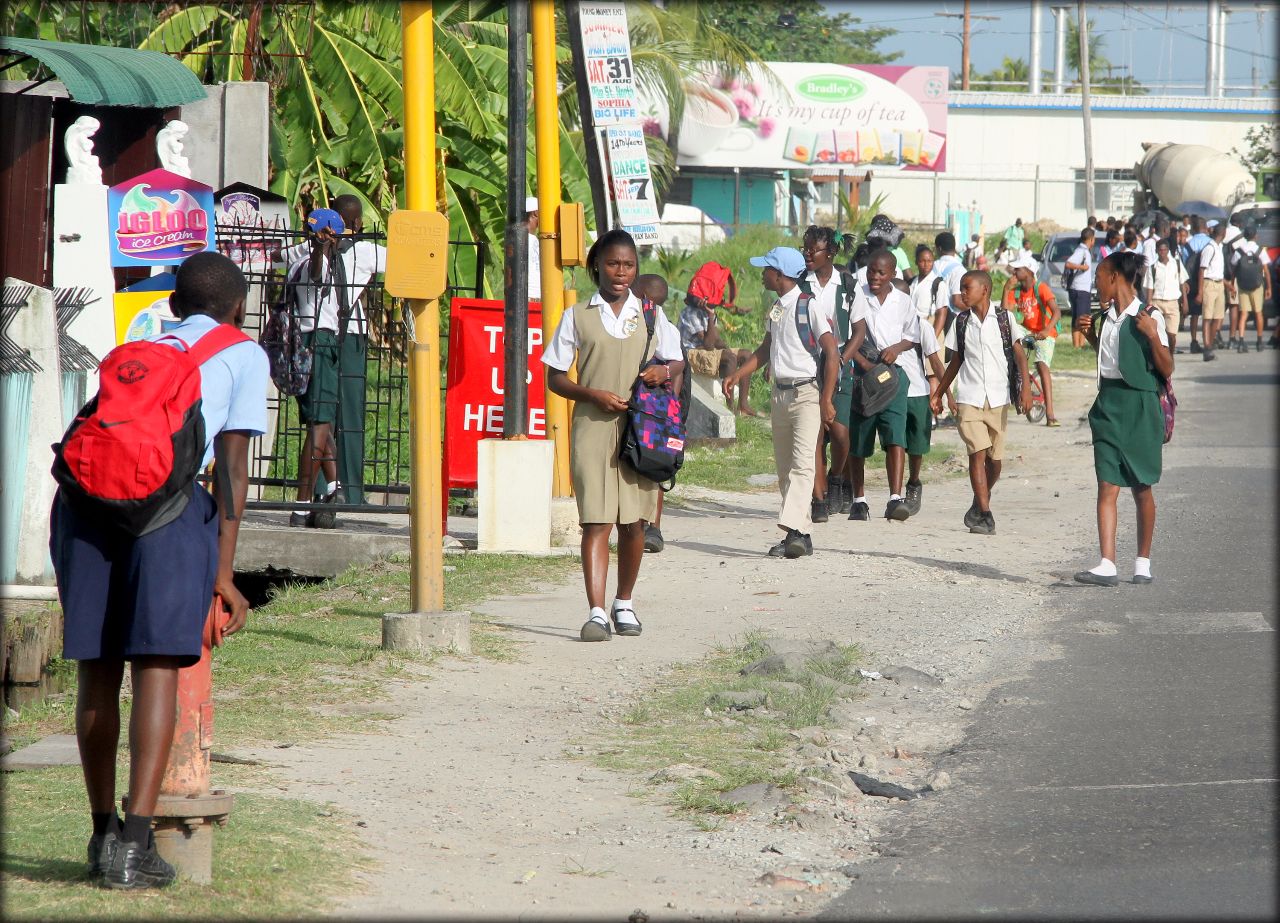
(1252, 282)
(137, 576)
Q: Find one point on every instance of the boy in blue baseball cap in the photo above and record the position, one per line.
(801, 351)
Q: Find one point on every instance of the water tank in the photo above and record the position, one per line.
(1179, 173)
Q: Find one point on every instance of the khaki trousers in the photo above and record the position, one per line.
(796, 420)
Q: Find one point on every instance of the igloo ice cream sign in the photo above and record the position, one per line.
(159, 219)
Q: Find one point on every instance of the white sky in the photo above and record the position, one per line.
(1159, 42)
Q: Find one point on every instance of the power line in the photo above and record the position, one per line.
(1198, 38)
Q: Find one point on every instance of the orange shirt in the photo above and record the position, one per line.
(1034, 306)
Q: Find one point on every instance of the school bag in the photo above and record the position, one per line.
(1193, 274)
(131, 456)
(653, 434)
(707, 287)
(1006, 339)
(1248, 271)
(281, 340)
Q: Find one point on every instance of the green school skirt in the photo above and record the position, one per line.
(1128, 434)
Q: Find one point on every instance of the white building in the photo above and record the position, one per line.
(1022, 156)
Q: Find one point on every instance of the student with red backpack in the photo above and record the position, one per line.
(705, 349)
(140, 549)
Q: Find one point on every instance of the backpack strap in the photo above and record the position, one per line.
(650, 322)
(804, 326)
(961, 325)
(215, 341)
(1006, 336)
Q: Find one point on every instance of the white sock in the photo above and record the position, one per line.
(1106, 568)
(1142, 567)
(598, 615)
(623, 612)
(333, 486)
(859, 499)
(893, 497)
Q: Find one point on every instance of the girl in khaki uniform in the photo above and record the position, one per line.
(608, 337)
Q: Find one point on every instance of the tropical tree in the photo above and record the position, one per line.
(796, 31)
(1010, 77)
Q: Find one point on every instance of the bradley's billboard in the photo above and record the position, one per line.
(788, 116)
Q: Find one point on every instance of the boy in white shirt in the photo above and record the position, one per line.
(1252, 281)
(919, 413)
(804, 382)
(892, 327)
(978, 343)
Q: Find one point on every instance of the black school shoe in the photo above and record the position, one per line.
(1196, 347)
(972, 515)
(98, 851)
(595, 630)
(897, 510)
(131, 867)
(818, 510)
(779, 550)
(915, 494)
(1209, 355)
(846, 496)
(1142, 580)
(328, 519)
(1089, 578)
(625, 629)
(797, 545)
(984, 525)
(860, 511)
(653, 542)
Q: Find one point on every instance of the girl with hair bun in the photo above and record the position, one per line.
(608, 337)
(1126, 419)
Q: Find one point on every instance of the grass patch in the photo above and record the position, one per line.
(277, 857)
(671, 725)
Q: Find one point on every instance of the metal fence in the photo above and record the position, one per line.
(367, 401)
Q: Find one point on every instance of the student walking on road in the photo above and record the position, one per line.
(609, 336)
(801, 352)
(892, 329)
(1126, 420)
(1253, 282)
(1212, 272)
(1039, 311)
(145, 599)
(989, 368)
(1166, 284)
(1080, 286)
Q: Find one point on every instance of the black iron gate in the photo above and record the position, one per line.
(370, 404)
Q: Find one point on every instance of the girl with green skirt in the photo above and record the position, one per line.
(1126, 419)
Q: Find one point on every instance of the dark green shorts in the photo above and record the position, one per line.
(890, 423)
(843, 397)
(919, 425)
(331, 363)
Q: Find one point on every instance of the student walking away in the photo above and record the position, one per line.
(948, 266)
(1253, 282)
(705, 349)
(930, 295)
(801, 351)
(1211, 268)
(1077, 279)
(1196, 242)
(1127, 421)
(892, 330)
(1166, 285)
(611, 338)
(655, 289)
(136, 579)
(832, 292)
(1039, 310)
(921, 364)
(335, 329)
(989, 369)
(1231, 238)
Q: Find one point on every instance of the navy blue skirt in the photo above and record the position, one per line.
(135, 597)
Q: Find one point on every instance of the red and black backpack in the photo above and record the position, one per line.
(131, 455)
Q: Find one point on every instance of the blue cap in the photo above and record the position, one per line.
(787, 260)
(322, 218)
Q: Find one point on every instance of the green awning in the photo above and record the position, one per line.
(106, 76)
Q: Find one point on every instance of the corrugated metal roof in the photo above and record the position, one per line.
(1112, 103)
(106, 76)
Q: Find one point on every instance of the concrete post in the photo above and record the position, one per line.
(1223, 14)
(1211, 23)
(1033, 85)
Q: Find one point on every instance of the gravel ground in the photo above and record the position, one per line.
(477, 803)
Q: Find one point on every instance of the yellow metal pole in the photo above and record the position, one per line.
(426, 510)
(546, 115)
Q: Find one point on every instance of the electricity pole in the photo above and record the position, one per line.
(515, 396)
(964, 44)
(1083, 28)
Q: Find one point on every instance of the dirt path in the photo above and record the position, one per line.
(472, 805)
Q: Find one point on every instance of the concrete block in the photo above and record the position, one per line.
(35, 329)
(566, 531)
(313, 552)
(709, 418)
(54, 750)
(418, 632)
(513, 493)
(228, 132)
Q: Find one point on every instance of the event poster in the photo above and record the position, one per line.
(606, 48)
(632, 182)
(789, 116)
(159, 219)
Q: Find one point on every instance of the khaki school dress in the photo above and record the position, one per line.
(606, 490)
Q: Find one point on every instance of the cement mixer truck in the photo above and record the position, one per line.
(1171, 174)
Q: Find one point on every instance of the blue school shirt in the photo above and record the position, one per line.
(233, 384)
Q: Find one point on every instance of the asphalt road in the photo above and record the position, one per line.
(1134, 777)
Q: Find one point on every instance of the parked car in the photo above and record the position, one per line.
(1053, 259)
